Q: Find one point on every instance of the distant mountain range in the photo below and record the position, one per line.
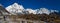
(19, 9)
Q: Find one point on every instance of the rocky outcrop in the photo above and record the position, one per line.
(3, 11)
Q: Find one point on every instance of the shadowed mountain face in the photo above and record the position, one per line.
(3, 11)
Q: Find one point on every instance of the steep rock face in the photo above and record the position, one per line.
(3, 11)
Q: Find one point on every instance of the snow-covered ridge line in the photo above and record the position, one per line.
(19, 9)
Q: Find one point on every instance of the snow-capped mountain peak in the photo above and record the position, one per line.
(15, 3)
(16, 8)
(31, 11)
(43, 10)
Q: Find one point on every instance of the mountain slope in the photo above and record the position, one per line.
(3, 11)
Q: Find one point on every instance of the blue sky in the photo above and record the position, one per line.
(34, 4)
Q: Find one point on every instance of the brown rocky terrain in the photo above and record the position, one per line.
(52, 18)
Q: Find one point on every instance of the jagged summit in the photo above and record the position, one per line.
(15, 8)
(19, 9)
